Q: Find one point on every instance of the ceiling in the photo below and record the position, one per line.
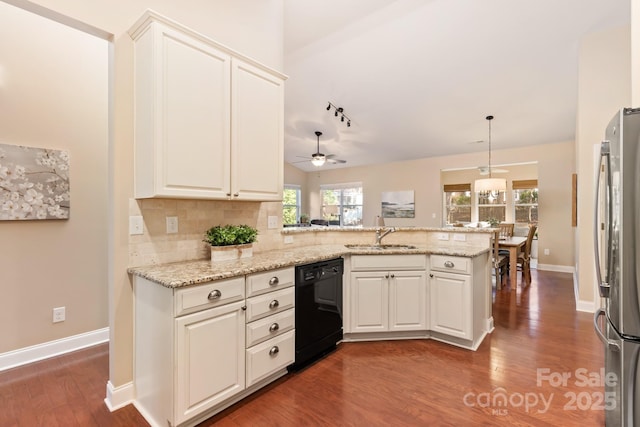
(418, 77)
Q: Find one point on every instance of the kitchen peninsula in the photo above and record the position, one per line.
(207, 336)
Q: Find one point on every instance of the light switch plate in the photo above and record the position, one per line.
(459, 237)
(172, 224)
(443, 236)
(272, 221)
(136, 225)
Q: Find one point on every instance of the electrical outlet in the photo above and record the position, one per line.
(443, 236)
(59, 314)
(172, 224)
(288, 239)
(272, 221)
(459, 237)
(136, 225)
(546, 251)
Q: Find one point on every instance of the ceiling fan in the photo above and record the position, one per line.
(484, 170)
(318, 159)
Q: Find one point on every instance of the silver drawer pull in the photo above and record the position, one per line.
(274, 304)
(274, 281)
(274, 327)
(215, 294)
(274, 350)
(449, 264)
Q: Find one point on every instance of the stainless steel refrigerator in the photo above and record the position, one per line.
(617, 253)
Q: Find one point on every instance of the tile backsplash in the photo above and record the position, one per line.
(156, 246)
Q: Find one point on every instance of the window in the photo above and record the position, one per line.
(291, 204)
(342, 204)
(525, 201)
(492, 206)
(457, 203)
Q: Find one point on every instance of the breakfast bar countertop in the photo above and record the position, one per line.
(186, 273)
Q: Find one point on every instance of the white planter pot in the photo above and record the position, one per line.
(229, 253)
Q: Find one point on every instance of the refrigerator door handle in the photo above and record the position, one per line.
(612, 345)
(603, 285)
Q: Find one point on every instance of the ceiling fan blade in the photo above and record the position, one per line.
(334, 161)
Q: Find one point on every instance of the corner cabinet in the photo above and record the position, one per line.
(208, 121)
(458, 297)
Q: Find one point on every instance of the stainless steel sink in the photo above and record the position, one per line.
(380, 247)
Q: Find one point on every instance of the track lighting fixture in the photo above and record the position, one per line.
(339, 111)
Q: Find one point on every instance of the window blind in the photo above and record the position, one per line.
(448, 188)
(525, 184)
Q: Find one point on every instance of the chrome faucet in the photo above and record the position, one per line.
(380, 234)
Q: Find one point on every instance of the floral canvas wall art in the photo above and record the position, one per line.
(34, 183)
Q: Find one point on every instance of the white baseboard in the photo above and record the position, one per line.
(558, 268)
(118, 397)
(49, 349)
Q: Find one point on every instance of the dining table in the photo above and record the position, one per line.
(514, 245)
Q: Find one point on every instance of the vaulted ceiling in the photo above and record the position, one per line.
(418, 77)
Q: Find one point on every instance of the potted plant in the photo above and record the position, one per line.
(229, 242)
(304, 218)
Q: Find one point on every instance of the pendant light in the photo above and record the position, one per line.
(490, 184)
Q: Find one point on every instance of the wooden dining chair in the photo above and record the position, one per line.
(506, 229)
(524, 257)
(500, 262)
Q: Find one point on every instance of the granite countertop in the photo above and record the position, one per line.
(180, 274)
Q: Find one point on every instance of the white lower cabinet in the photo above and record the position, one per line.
(451, 304)
(201, 348)
(393, 300)
(209, 358)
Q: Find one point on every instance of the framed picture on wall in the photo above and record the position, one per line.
(34, 183)
(398, 204)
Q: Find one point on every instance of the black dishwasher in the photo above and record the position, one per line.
(318, 310)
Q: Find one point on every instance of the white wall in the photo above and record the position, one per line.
(604, 87)
(54, 94)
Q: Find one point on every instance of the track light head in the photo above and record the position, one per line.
(339, 111)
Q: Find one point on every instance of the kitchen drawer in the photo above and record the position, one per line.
(453, 264)
(270, 356)
(271, 303)
(268, 281)
(269, 327)
(211, 294)
(388, 262)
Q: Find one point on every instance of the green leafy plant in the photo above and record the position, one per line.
(226, 235)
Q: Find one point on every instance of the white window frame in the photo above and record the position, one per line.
(341, 204)
(298, 204)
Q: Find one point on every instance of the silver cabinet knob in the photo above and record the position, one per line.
(393, 275)
(236, 194)
(213, 295)
(274, 304)
(430, 274)
(274, 281)
(274, 327)
(449, 264)
(386, 276)
(274, 350)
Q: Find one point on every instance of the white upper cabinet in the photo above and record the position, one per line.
(208, 121)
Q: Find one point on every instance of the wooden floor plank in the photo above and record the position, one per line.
(400, 383)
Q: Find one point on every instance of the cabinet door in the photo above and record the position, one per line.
(210, 359)
(183, 92)
(257, 100)
(369, 302)
(450, 297)
(407, 301)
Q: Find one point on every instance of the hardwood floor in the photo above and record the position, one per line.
(399, 383)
